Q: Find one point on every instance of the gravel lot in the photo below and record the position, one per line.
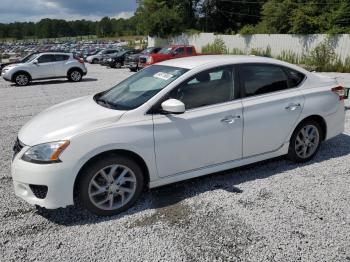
(271, 211)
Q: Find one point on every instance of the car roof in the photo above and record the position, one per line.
(54, 53)
(192, 62)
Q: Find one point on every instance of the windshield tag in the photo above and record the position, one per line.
(162, 75)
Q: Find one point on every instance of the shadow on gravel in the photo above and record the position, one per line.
(167, 200)
(56, 81)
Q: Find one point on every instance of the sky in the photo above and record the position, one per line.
(34, 10)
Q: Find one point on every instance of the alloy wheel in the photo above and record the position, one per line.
(76, 76)
(307, 141)
(22, 80)
(112, 187)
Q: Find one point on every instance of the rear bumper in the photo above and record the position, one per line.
(335, 122)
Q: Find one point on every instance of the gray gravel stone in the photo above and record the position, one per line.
(270, 211)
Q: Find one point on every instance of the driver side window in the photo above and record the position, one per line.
(210, 87)
(46, 59)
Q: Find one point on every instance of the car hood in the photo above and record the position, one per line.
(67, 119)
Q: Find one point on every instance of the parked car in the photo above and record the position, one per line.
(117, 60)
(173, 121)
(167, 53)
(95, 59)
(90, 53)
(19, 61)
(131, 61)
(46, 66)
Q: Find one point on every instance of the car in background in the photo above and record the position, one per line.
(132, 61)
(95, 59)
(89, 53)
(167, 53)
(117, 60)
(46, 65)
(19, 61)
(173, 121)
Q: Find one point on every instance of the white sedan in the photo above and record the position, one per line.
(172, 121)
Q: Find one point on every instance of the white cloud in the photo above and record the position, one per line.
(124, 15)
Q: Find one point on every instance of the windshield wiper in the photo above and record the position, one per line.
(104, 102)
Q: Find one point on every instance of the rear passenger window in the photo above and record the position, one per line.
(189, 50)
(179, 51)
(206, 88)
(262, 79)
(295, 77)
(61, 57)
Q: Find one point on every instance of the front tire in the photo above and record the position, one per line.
(22, 79)
(75, 75)
(305, 141)
(110, 185)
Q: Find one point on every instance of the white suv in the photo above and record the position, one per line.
(46, 66)
(172, 121)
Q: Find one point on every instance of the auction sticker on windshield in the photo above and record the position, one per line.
(162, 75)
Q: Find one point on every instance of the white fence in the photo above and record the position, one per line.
(299, 44)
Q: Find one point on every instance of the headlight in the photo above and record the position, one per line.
(149, 59)
(45, 153)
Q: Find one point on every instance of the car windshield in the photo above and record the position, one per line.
(32, 58)
(165, 50)
(27, 58)
(139, 88)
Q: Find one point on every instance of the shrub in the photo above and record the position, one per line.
(236, 51)
(218, 47)
(261, 52)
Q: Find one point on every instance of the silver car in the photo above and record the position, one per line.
(46, 66)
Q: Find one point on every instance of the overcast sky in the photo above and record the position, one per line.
(34, 10)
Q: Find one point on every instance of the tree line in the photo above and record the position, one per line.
(169, 17)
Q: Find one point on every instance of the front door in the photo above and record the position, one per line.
(208, 133)
(45, 67)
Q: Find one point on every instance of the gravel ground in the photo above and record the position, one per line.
(271, 211)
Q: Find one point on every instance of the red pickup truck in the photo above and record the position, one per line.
(166, 53)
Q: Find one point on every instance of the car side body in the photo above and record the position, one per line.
(131, 61)
(48, 65)
(96, 58)
(238, 130)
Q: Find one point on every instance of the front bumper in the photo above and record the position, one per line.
(131, 64)
(6, 76)
(57, 177)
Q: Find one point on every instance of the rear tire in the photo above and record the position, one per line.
(94, 61)
(305, 141)
(75, 75)
(133, 69)
(110, 185)
(22, 79)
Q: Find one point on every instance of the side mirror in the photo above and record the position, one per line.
(35, 62)
(173, 106)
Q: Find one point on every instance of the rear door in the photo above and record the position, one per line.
(272, 104)
(60, 64)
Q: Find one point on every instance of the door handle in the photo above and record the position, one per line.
(293, 106)
(230, 119)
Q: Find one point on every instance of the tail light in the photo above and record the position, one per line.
(340, 91)
(79, 59)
